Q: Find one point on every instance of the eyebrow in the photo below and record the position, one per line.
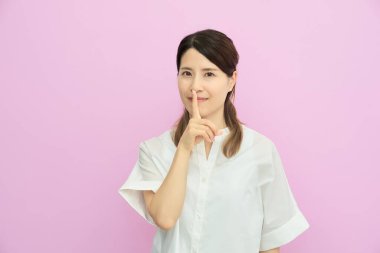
(204, 69)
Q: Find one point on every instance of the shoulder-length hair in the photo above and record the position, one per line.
(220, 50)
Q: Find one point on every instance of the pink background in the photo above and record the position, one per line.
(83, 82)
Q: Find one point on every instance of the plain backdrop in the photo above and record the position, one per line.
(83, 82)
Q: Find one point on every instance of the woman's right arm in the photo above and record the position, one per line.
(165, 205)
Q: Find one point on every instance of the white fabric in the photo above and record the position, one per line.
(241, 204)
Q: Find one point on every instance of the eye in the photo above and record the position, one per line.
(210, 74)
(184, 73)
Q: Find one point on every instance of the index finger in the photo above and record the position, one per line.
(196, 113)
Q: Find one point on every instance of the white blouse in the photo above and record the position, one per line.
(241, 204)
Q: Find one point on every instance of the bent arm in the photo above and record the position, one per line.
(166, 204)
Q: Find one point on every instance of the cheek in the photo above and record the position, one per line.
(182, 93)
(182, 84)
(217, 91)
(181, 87)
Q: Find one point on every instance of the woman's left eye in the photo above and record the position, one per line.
(211, 74)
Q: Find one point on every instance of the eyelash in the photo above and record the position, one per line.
(206, 73)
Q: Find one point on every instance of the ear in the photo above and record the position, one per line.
(232, 80)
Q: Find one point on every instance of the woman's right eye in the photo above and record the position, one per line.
(185, 73)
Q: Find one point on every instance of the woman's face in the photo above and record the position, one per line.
(211, 83)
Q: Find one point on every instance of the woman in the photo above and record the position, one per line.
(211, 184)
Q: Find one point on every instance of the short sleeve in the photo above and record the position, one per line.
(283, 220)
(144, 176)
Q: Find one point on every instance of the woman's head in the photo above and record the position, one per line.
(206, 63)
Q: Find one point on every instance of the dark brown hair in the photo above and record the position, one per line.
(220, 50)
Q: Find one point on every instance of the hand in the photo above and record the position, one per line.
(198, 128)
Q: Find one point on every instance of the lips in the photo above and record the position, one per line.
(199, 99)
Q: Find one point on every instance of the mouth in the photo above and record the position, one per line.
(198, 99)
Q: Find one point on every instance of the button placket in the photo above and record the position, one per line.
(205, 167)
(213, 151)
(199, 214)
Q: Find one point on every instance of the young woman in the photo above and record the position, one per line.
(211, 184)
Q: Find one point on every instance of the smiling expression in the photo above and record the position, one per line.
(208, 80)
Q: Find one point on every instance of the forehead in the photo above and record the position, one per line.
(192, 59)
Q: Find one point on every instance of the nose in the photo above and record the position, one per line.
(196, 84)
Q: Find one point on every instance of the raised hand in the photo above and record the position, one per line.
(198, 128)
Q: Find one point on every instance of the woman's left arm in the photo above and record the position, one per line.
(276, 250)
